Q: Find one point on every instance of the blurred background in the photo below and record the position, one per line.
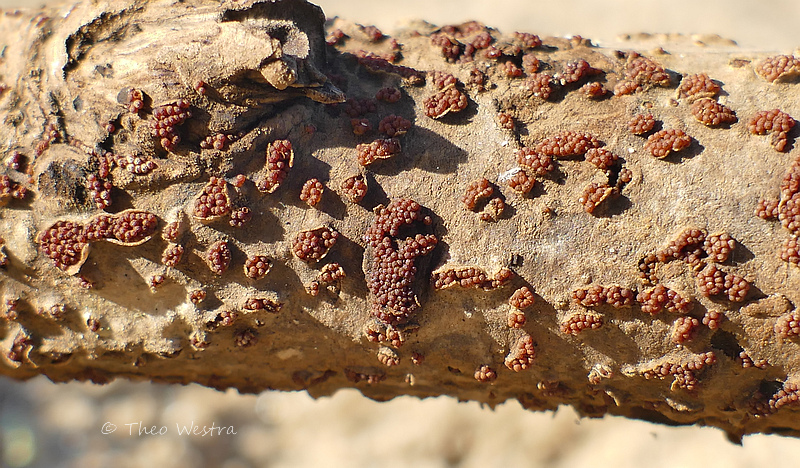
(127, 424)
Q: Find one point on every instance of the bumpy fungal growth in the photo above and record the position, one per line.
(522, 298)
(66, 244)
(240, 216)
(99, 191)
(354, 188)
(388, 357)
(485, 374)
(166, 118)
(790, 251)
(313, 245)
(736, 287)
(575, 71)
(134, 100)
(684, 329)
(593, 90)
(392, 275)
(580, 321)
(711, 280)
(394, 126)
(218, 141)
(775, 122)
(521, 182)
(218, 257)
(257, 266)
(641, 73)
(712, 319)
(788, 325)
(659, 297)
(789, 212)
(311, 193)
(641, 124)
(389, 95)
(711, 113)
(719, 246)
(594, 194)
(567, 143)
(477, 191)
(688, 246)
(245, 338)
(596, 295)
(444, 102)
(172, 255)
(602, 158)
(262, 304)
(685, 373)
(133, 227)
(540, 85)
(746, 361)
(522, 354)
(516, 318)
(214, 201)
(329, 277)
(280, 158)
(470, 277)
(536, 163)
(360, 126)
(664, 142)
(505, 120)
(778, 68)
(382, 148)
(697, 86)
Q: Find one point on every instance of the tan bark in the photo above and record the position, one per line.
(259, 71)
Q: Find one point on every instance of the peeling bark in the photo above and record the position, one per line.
(654, 289)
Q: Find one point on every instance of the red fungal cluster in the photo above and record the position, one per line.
(360, 126)
(593, 90)
(10, 189)
(262, 304)
(767, 208)
(540, 85)
(380, 332)
(65, 243)
(775, 122)
(134, 100)
(214, 201)
(596, 295)
(521, 355)
(711, 281)
(137, 164)
(662, 143)
(385, 148)
(335, 37)
(172, 255)
(197, 296)
(688, 246)
(330, 275)
(471, 277)
(575, 71)
(355, 188)
(579, 321)
(49, 135)
(566, 144)
(445, 101)
(280, 158)
(641, 124)
(19, 347)
(166, 119)
(505, 120)
(522, 298)
(357, 107)
(257, 266)
(654, 300)
(314, 245)
(685, 374)
(516, 318)
(779, 67)
(746, 361)
(788, 325)
(641, 73)
(240, 217)
(393, 272)
(594, 194)
(394, 126)
(388, 357)
(719, 246)
(311, 193)
(527, 40)
(711, 113)
(218, 141)
(521, 182)
(534, 162)
(99, 191)
(390, 95)
(684, 329)
(712, 319)
(697, 87)
(218, 257)
(485, 374)
(511, 69)
(602, 158)
(790, 251)
(370, 378)
(245, 338)
(477, 191)
(788, 395)
(377, 64)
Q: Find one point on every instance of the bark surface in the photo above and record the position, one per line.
(146, 174)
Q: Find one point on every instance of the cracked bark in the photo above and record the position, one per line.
(260, 71)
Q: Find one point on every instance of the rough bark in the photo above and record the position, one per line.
(260, 72)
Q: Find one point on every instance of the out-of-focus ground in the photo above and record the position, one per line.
(48, 425)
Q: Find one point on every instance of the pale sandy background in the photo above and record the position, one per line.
(47, 425)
